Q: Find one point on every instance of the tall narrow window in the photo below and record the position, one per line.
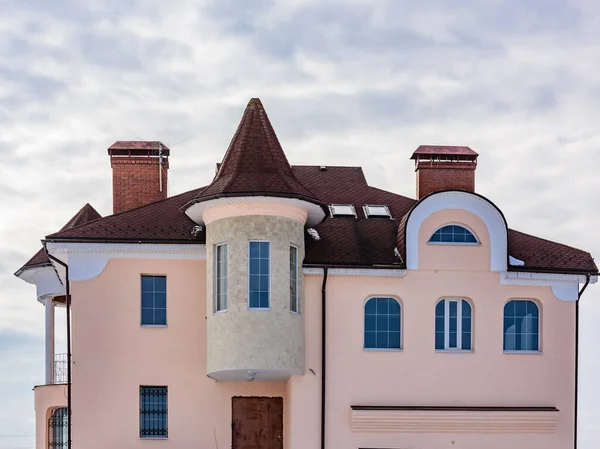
(294, 306)
(154, 301)
(153, 412)
(453, 325)
(521, 326)
(221, 277)
(58, 429)
(382, 324)
(259, 269)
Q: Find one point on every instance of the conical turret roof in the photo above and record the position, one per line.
(255, 163)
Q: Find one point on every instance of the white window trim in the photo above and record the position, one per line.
(270, 272)
(459, 317)
(297, 311)
(216, 279)
(331, 206)
(401, 348)
(367, 215)
(429, 242)
(539, 330)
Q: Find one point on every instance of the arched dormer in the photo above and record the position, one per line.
(470, 210)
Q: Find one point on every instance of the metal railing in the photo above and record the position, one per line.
(60, 368)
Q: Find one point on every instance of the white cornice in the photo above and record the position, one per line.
(87, 260)
(383, 272)
(314, 211)
(564, 286)
(168, 250)
(44, 278)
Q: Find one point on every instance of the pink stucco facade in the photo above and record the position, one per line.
(113, 355)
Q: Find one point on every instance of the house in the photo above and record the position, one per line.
(300, 307)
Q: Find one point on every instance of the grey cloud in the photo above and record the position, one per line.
(344, 81)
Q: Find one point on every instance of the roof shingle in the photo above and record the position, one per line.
(344, 241)
(255, 163)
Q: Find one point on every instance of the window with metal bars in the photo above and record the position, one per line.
(58, 436)
(153, 412)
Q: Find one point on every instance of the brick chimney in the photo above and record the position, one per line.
(140, 173)
(444, 168)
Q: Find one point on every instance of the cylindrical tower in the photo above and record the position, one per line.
(255, 213)
(255, 291)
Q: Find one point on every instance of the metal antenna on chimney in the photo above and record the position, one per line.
(160, 164)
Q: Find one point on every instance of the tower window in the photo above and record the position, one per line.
(259, 275)
(221, 277)
(294, 306)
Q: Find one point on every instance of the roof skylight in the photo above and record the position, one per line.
(377, 210)
(342, 210)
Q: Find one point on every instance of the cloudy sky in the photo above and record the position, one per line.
(347, 82)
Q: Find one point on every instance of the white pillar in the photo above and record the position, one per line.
(49, 308)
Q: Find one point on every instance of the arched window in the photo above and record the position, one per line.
(453, 322)
(453, 234)
(58, 428)
(382, 324)
(521, 326)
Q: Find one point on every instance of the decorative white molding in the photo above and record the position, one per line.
(88, 260)
(45, 280)
(384, 272)
(458, 200)
(564, 286)
(315, 212)
(450, 421)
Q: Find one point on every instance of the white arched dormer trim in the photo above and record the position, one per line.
(471, 202)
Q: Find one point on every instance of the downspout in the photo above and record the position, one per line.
(587, 281)
(323, 353)
(68, 306)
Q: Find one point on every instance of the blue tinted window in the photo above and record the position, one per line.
(259, 274)
(521, 326)
(382, 324)
(154, 301)
(453, 234)
(439, 325)
(221, 277)
(453, 324)
(153, 412)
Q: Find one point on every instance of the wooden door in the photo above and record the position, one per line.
(256, 423)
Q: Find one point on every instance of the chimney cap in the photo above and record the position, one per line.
(445, 152)
(138, 147)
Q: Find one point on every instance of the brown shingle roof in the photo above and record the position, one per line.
(255, 163)
(161, 221)
(85, 215)
(344, 241)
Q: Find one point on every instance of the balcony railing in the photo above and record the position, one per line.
(60, 368)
